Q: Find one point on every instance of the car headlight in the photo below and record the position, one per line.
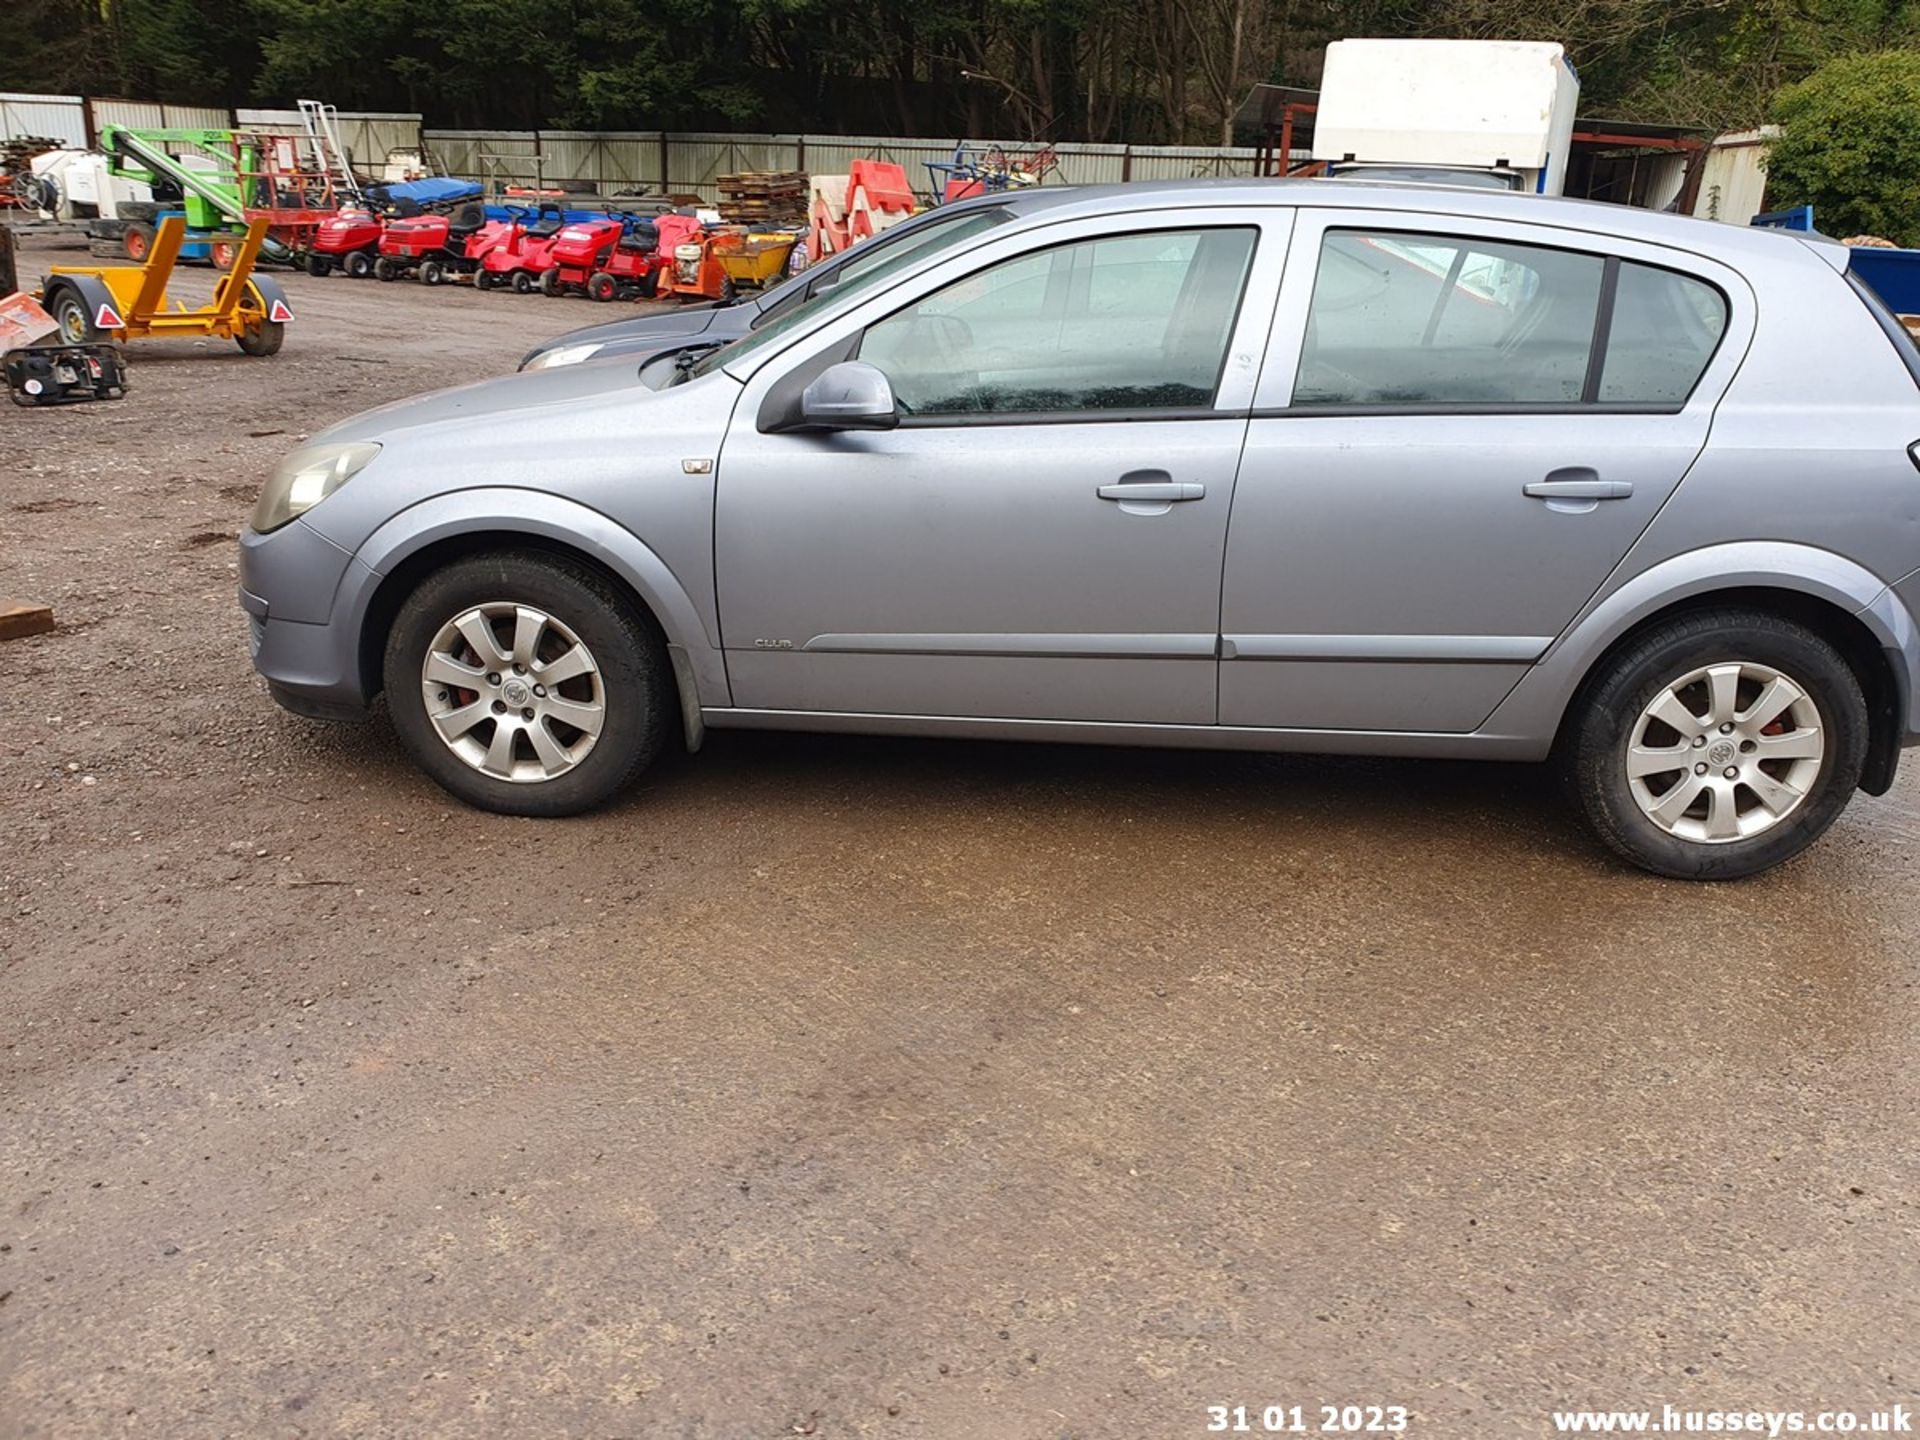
(566, 355)
(305, 478)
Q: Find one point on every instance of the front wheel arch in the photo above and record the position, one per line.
(1858, 646)
(394, 588)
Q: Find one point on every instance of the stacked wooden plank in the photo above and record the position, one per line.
(764, 196)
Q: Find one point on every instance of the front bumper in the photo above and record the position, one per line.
(289, 582)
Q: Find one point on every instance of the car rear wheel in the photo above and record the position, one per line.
(1718, 745)
(527, 684)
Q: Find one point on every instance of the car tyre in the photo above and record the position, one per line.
(631, 681)
(1631, 772)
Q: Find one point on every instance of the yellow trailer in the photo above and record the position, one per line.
(91, 303)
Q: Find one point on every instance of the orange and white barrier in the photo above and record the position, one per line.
(846, 209)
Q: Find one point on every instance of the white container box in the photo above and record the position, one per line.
(1498, 106)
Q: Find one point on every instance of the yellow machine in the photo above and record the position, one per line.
(91, 303)
(754, 259)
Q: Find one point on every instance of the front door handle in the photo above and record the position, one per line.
(1162, 490)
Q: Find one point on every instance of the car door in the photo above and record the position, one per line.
(1461, 428)
(1042, 536)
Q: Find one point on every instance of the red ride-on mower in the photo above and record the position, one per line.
(518, 260)
(492, 237)
(432, 248)
(632, 269)
(579, 250)
(346, 241)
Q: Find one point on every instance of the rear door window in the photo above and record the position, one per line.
(1406, 319)
(1434, 322)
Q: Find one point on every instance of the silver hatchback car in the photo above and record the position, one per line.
(1351, 468)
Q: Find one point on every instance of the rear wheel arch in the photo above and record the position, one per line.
(1879, 678)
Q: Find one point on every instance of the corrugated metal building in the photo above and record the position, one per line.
(52, 117)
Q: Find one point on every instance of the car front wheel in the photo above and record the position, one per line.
(1718, 745)
(526, 684)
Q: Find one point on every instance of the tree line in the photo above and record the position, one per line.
(1133, 71)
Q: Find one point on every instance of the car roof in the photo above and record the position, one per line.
(1599, 217)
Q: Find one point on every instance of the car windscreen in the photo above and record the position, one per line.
(932, 240)
(887, 245)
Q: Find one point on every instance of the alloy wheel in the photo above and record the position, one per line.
(513, 692)
(1725, 753)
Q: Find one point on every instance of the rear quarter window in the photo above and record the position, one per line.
(1664, 330)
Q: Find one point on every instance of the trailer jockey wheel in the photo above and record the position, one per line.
(137, 240)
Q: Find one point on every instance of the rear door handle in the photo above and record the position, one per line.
(1161, 490)
(1588, 487)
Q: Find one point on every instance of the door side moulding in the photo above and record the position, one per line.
(1423, 649)
(1059, 647)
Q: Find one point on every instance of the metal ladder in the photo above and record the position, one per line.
(321, 122)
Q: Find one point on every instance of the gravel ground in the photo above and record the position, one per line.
(858, 1088)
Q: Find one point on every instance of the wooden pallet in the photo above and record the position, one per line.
(764, 195)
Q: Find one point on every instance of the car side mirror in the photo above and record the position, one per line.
(851, 395)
